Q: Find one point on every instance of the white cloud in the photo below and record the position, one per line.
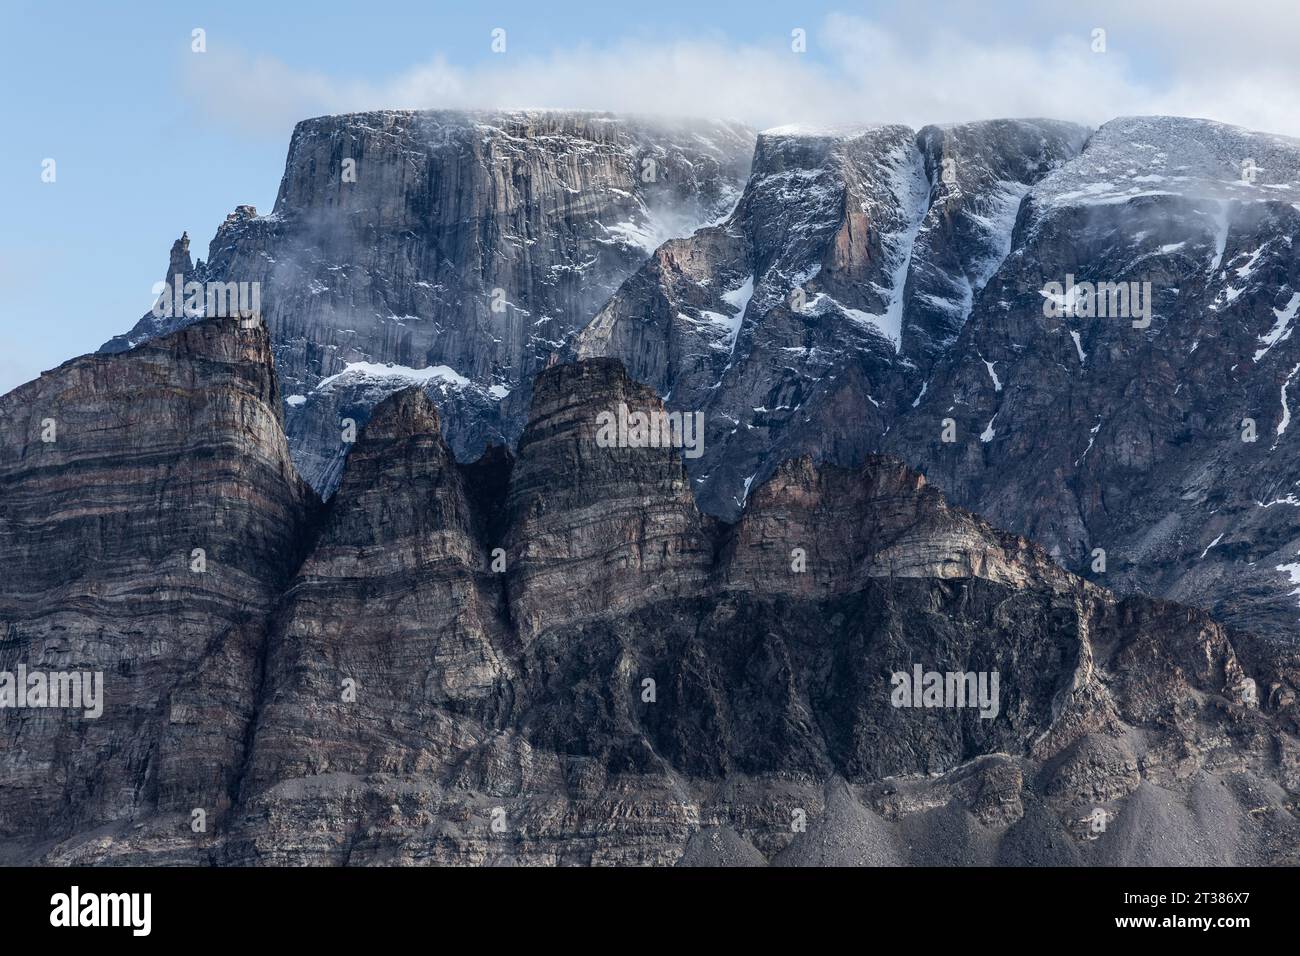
(937, 71)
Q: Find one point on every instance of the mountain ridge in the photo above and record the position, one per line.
(885, 315)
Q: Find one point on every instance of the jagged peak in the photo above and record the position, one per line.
(241, 212)
(179, 262)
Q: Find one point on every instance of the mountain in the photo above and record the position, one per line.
(878, 290)
(1103, 435)
(558, 658)
(846, 292)
(457, 250)
(807, 321)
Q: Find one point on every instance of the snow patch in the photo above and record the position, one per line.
(886, 325)
(1291, 500)
(374, 370)
(1212, 544)
(989, 431)
(1078, 347)
(1092, 438)
(1281, 330)
(738, 299)
(1286, 408)
(1292, 571)
(744, 493)
(1220, 236)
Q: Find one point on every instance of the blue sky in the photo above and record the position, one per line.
(151, 138)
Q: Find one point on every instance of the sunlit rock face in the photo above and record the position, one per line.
(150, 517)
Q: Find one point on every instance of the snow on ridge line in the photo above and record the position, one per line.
(421, 376)
(850, 131)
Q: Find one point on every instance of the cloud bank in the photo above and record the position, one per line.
(1191, 58)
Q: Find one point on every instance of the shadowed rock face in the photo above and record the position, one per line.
(625, 681)
(807, 321)
(1104, 435)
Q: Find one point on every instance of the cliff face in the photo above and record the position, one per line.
(878, 291)
(558, 659)
(149, 517)
(596, 529)
(807, 321)
(847, 293)
(1161, 439)
(458, 251)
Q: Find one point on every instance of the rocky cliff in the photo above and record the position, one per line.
(1162, 439)
(806, 321)
(883, 291)
(559, 659)
(847, 292)
(454, 250)
(149, 518)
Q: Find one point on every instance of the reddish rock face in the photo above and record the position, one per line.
(559, 659)
(147, 540)
(597, 529)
